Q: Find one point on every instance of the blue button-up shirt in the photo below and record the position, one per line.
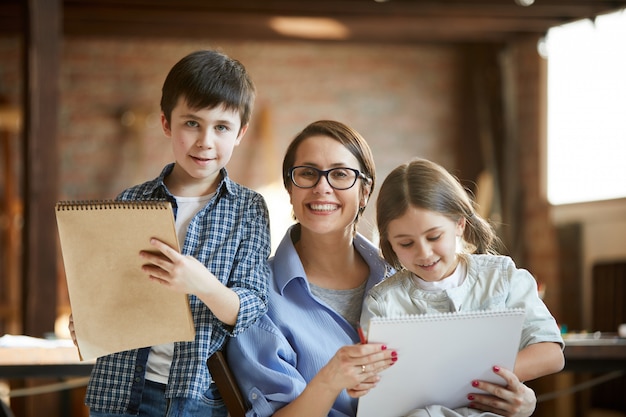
(275, 358)
(230, 236)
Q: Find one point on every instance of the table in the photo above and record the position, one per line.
(58, 362)
(44, 370)
(599, 353)
(36, 362)
(592, 361)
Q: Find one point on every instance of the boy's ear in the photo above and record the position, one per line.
(165, 125)
(242, 132)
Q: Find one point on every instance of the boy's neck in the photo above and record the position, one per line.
(182, 185)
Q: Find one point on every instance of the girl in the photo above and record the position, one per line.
(445, 257)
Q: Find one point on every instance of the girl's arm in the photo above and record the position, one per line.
(541, 336)
(539, 359)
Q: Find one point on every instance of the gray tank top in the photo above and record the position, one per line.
(348, 303)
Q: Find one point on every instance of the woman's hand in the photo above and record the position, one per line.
(514, 399)
(355, 368)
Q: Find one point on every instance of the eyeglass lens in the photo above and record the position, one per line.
(338, 178)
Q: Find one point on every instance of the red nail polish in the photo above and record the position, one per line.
(470, 397)
(393, 359)
(496, 369)
(383, 347)
(394, 354)
(475, 383)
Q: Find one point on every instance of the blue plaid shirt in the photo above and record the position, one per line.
(230, 235)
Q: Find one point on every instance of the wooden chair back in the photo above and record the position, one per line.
(226, 384)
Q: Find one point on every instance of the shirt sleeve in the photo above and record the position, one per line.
(263, 364)
(390, 297)
(370, 309)
(540, 325)
(250, 274)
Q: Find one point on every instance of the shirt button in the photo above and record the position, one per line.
(139, 368)
(137, 379)
(254, 396)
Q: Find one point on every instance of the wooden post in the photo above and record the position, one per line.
(41, 66)
(11, 214)
(42, 45)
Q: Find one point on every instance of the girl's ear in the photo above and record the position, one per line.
(460, 226)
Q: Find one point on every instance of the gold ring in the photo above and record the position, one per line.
(362, 369)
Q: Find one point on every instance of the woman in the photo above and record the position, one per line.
(303, 357)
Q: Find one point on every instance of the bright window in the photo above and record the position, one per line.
(586, 153)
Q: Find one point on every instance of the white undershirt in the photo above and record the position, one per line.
(160, 358)
(453, 281)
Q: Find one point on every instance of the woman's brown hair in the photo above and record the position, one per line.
(348, 137)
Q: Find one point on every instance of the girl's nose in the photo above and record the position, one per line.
(422, 250)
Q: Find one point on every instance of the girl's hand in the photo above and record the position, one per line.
(514, 399)
(355, 368)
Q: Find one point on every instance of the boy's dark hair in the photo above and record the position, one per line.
(208, 79)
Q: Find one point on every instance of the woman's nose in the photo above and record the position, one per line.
(323, 185)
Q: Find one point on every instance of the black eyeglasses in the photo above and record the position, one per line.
(338, 178)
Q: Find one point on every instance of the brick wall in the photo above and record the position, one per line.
(402, 99)
(405, 100)
(540, 249)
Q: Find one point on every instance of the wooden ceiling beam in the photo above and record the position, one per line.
(395, 21)
(157, 23)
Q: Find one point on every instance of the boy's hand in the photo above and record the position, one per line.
(180, 273)
(185, 274)
(70, 327)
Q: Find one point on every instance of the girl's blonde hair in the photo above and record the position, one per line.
(426, 185)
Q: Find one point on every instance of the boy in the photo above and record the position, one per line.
(223, 227)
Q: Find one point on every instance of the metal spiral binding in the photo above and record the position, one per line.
(110, 204)
(449, 315)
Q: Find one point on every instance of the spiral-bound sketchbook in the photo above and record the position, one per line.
(439, 355)
(115, 306)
